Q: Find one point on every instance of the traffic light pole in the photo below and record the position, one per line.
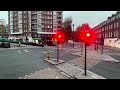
(102, 49)
(57, 53)
(81, 48)
(85, 59)
(73, 35)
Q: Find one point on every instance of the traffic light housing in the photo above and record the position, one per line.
(59, 37)
(88, 37)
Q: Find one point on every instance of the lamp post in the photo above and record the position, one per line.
(102, 42)
(73, 35)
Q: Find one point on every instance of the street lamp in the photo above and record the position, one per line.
(73, 35)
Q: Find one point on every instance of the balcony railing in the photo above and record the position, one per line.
(34, 17)
(34, 22)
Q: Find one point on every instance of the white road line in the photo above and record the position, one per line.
(19, 51)
(51, 51)
(44, 52)
(26, 51)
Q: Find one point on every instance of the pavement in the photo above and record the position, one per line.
(75, 68)
(47, 73)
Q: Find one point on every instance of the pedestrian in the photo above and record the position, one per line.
(19, 43)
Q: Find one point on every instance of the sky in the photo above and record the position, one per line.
(79, 17)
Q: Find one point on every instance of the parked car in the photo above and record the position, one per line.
(5, 44)
(41, 44)
(0, 44)
(50, 43)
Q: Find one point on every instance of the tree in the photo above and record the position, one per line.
(67, 28)
(77, 33)
(79, 29)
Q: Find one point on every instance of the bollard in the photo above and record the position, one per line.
(48, 55)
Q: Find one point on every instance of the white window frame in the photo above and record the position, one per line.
(117, 24)
(111, 26)
(114, 25)
(114, 34)
(117, 33)
(111, 34)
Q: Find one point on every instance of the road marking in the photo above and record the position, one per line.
(26, 51)
(19, 51)
(44, 52)
(51, 51)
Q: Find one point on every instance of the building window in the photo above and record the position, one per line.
(114, 25)
(107, 27)
(50, 13)
(119, 15)
(111, 34)
(107, 35)
(117, 24)
(111, 26)
(114, 34)
(50, 26)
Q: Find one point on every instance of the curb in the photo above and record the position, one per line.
(54, 62)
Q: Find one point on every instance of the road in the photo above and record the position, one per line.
(20, 61)
(108, 70)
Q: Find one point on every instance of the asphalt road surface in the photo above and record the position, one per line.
(106, 69)
(18, 62)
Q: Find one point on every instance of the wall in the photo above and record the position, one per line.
(113, 42)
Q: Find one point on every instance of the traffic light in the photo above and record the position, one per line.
(88, 37)
(59, 37)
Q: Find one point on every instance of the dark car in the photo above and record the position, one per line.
(50, 43)
(0, 44)
(41, 44)
(5, 44)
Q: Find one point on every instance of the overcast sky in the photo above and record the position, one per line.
(79, 17)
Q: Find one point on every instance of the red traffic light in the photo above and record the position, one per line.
(88, 34)
(59, 37)
(88, 37)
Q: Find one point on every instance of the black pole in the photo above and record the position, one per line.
(102, 49)
(102, 42)
(73, 35)
(81, 48)
(97, 46)
(85, 59)
(57, 53)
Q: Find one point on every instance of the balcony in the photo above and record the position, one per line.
(34, 17)
(34, 12)
(59, 15)
(34, 22)
(34, 27)
(59, 20)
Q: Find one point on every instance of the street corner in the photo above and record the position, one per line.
(89, 75)
(54, 61)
